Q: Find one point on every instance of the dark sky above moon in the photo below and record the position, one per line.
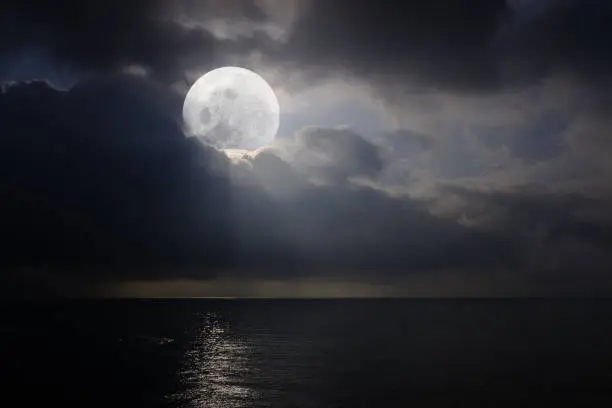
(439, 148)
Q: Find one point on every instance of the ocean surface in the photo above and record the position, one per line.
(297, 353)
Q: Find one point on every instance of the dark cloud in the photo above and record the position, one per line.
(447, 44)
(92, 179)
(454, 45)
(560, 232)
(111, 35)
(102, 182)
(278, 177)
(403, 146)
(102, 177)
(335, 154)
(568, 37)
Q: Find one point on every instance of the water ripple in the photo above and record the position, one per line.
(216, 366)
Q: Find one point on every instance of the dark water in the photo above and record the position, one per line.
(306, 353)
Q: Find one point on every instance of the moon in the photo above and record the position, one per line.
(232, 108)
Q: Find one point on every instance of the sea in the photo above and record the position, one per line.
(217, 353)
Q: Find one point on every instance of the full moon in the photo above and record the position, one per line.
(232, 108)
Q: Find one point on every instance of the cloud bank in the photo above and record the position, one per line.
(497, 164)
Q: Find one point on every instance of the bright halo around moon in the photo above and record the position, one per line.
(232, 108)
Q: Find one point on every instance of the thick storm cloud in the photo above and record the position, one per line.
(497, 159)
(454, 44)
(93, 181)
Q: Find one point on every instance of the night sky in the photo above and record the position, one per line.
(426, 148)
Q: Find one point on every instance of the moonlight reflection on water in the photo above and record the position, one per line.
(217, 367)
